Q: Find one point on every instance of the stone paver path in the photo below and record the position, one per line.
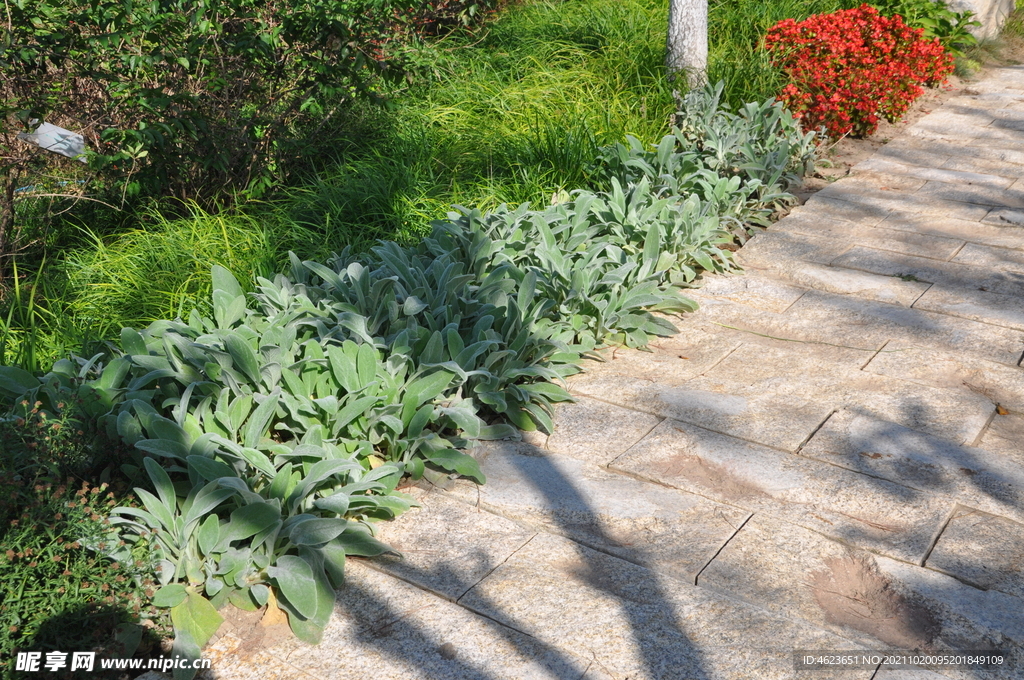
(829, 456)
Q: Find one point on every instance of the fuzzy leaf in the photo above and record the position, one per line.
(294, 579)
(317, 531)
(171, 595)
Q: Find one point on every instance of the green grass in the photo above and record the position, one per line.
(512, 113)
(736, 29)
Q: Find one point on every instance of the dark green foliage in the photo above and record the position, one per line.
(199, 100)
(936, 19)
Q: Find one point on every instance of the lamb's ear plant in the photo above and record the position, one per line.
(268, 438)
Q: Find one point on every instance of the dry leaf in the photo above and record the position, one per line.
(274, 615)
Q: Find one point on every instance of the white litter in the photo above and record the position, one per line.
(57, 140)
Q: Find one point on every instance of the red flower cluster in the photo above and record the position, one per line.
(849, 68)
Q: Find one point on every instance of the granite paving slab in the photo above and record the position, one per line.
(446, 546)
(901, 241)
(987, 256)
(826, 318)
(964, 121)
(386, 628)
(990, 160)
(872, 178)
(1001, 233)
(772, 564)
(846, 207)
(636, 625)
(887, 450)
(597, 431)
(748, 407)
(877, 165)
(1005, 217)
(939, 141)
(974, 194)
(906, 154)
(999, 383)
(848, 282)
(751, 289)
(962, 274)
(625, 378)
(778, 393)
(984, 550)
(876, 601)
(774, 246)
(984, 101)
(976, 134)
(1004, 435)
(977, 305)
(849, 506)
(877, 203)
(984, 164)
(670, 531)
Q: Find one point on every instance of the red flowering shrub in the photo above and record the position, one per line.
(849, 68)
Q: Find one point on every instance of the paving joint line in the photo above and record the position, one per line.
(798, 299)
(806, 342)
(964, 318)
(938, 535)
(607, 466)
(494, 569)
(696, 577)
(918, 298)
(957, 251)
(719, 362)
(612, 403)
(816, 430)
(984, 428)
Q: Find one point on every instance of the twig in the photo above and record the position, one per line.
(806, 342)
(84, 198)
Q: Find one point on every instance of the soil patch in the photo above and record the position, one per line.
(253, 630)
(852, 592)
(711, 476)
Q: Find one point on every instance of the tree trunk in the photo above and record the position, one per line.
(687, 45)
(7, 217)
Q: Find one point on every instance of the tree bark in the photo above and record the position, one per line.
(7, 217)
(687, 45)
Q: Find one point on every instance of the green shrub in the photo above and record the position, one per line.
(178, 98)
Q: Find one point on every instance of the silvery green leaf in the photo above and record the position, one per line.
(170, 595)
(413, 305)
(259, 593)
(209, 535)
(224, 280)
(248, 521)
(294, 579)
(337, 503)
(317, 531)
